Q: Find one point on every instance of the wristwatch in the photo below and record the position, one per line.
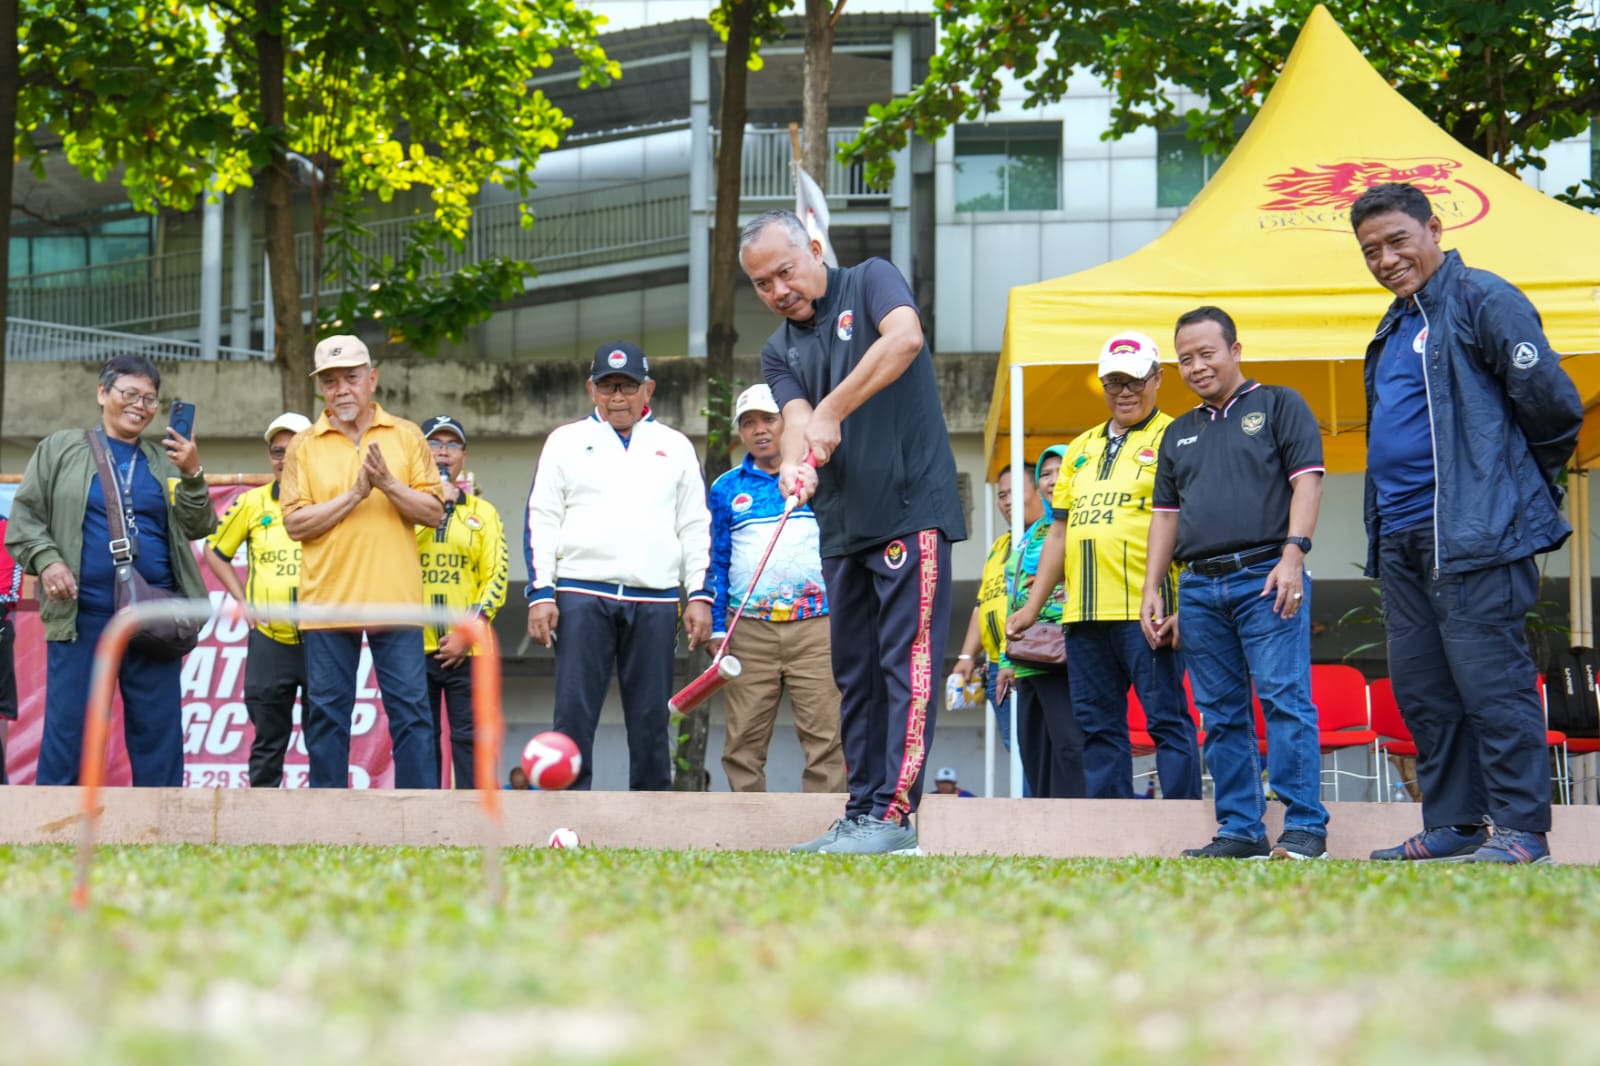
(1303, 543)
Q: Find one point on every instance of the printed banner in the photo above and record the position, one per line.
(217, 733)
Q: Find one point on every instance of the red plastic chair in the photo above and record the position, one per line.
(1339, 693)
(1393, 736)
(1344, 719)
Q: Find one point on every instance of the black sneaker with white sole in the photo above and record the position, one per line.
(1300, 844)
(1230, 848)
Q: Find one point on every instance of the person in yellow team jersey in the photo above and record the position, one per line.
(275, 666)
(463, 569)
(1102, 520)
(986, 631)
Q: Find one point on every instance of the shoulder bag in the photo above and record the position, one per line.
(166, 639)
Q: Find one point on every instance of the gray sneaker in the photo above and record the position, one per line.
(817, 844)
(874, 836)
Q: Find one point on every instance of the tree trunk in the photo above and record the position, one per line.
(814, 146)
(292, 354)
(720, 336)
(9, 77)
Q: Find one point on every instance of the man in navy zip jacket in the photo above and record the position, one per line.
(1470, 419)
(616, 525)
(853, 375)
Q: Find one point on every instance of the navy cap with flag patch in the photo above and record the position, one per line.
(620, 357)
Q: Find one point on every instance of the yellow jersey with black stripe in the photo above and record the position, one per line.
(256, 521)
(1104, 491)
(464, 562)
(992, 601)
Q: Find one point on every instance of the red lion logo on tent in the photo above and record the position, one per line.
(1337, 185)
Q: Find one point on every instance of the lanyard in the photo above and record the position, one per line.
(123, 475)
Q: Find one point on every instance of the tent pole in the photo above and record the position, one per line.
(1017, 530)
(1333, 403)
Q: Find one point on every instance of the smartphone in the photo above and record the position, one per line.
(181, 419)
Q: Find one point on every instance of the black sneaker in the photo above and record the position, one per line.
(1300, 844)
(1230, 848)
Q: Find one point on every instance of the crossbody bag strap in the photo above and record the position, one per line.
(121, 547)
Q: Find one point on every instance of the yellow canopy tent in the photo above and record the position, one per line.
(1269, 241)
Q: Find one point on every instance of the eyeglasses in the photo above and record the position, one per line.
(133, 397)
(277, 453)
(447, 446)
(1113, 386)
(609, 388)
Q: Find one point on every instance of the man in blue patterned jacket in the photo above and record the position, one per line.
(783, 637)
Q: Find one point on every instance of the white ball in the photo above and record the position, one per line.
(565, 838)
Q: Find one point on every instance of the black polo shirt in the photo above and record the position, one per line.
(893, 473)
(1227, 470)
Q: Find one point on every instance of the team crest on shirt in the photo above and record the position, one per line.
(474, 523)
(1252, 423)
(741, 503)
(894, 555)
(1146, 456)
(1420, 345)
(266, 520)
(847, 325)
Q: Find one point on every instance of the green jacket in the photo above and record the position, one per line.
(46, 523)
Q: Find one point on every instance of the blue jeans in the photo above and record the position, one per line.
(152, 710)
(1465, 685)
(1106, 658)
(1002, 715)
(1231, 638)
(332, 656)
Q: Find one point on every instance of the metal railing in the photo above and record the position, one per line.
(30, 341)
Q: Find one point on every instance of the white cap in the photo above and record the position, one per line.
(946, 773)
(755, 398)
(339, 351)
(290, 421)
(1129, 352)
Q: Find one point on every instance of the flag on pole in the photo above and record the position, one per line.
(812, 207)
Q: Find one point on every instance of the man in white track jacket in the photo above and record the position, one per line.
(616, 526)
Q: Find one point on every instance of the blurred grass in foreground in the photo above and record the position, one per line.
(318, 954)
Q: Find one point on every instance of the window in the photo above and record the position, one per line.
(1182, 167)
(1008, 168)
(84, 240)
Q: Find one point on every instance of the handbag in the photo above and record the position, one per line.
(165, 639)
(1041, 645)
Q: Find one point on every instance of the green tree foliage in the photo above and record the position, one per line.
(382, 97)
(1506, 78)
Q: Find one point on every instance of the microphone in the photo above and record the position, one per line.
(444, 479)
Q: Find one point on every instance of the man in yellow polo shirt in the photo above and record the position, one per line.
(1102, 508)
(463, 569)
(355, 486)
(275, 663)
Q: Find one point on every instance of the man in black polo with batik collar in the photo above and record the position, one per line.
(1238, 485)
(854, 377)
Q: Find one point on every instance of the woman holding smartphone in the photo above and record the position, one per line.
(59, 530)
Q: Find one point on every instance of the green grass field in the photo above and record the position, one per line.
(312, 955)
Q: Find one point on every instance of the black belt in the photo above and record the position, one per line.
(1218, 565)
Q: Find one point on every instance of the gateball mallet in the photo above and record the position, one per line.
(725, 667)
